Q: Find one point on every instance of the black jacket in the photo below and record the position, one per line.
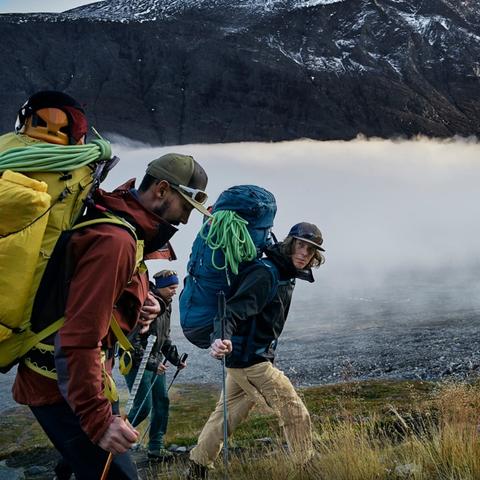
(163, 346)
(257, 308)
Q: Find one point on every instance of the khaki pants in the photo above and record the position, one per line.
(264, 384)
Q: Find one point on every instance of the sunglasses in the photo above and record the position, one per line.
(197, 195)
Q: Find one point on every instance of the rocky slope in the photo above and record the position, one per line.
(172, 72)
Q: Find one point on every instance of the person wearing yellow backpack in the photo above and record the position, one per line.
(95, 280)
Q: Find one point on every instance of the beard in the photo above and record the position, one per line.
(162, 210)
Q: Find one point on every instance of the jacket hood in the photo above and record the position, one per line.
(285, 266)
(151, 228)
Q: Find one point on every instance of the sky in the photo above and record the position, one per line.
(16, 6)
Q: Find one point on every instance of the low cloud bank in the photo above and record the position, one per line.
(392, 211)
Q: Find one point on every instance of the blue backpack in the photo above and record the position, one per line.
(198, 300)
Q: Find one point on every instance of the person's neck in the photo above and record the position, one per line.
(145, 198)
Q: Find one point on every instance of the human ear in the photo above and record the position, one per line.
(161, 188)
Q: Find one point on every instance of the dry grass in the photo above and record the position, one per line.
(363, 431)
(374, 431)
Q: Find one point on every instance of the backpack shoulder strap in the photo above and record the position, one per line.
(272, 268)
(111, 218)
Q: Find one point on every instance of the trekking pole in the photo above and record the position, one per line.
(133, 393)
(148, 392)
(182, 359)
(222, 312)
(144, 400)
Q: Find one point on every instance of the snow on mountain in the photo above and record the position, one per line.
(290, 66)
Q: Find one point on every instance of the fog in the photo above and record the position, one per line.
(399, 294)
(385, 207)
(399, 220)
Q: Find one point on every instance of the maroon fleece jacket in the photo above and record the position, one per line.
(103, 259)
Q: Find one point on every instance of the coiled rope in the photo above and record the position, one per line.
(227, 232)
(45, 157)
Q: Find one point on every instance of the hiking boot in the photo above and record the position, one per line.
(196, 471)
(160, 455)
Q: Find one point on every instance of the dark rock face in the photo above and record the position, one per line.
(169, 72)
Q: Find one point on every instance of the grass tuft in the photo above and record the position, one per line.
(378, 430)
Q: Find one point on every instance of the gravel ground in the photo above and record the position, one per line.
(425, 327)
(443, 347)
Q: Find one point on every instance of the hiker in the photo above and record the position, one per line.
(253, 325)
(152, 396)
(102, 286)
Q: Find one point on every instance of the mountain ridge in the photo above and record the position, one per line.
(169, 72)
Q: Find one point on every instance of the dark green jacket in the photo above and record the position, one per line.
(163, 346)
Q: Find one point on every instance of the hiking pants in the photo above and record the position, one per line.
(261, 383)
(86, 459)
(156, 404)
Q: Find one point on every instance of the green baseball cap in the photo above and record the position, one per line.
(185, 175)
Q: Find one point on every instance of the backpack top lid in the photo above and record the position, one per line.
(253, 203)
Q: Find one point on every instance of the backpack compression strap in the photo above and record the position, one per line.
(41, 359)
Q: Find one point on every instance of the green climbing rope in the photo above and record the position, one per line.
(227, 232)
(45, 157)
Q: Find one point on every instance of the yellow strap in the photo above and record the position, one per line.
(139, 263)
(44, 347)
(109, 218)
(46, 332)
(125, 363)
(113, 219)
(35, 341)
(120, 336)
(109, 388)
(41, 370)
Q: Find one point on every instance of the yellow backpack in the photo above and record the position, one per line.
(43, 191)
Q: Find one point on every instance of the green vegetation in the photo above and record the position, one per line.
(191, 405)
(366, 430)
(20, 432)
